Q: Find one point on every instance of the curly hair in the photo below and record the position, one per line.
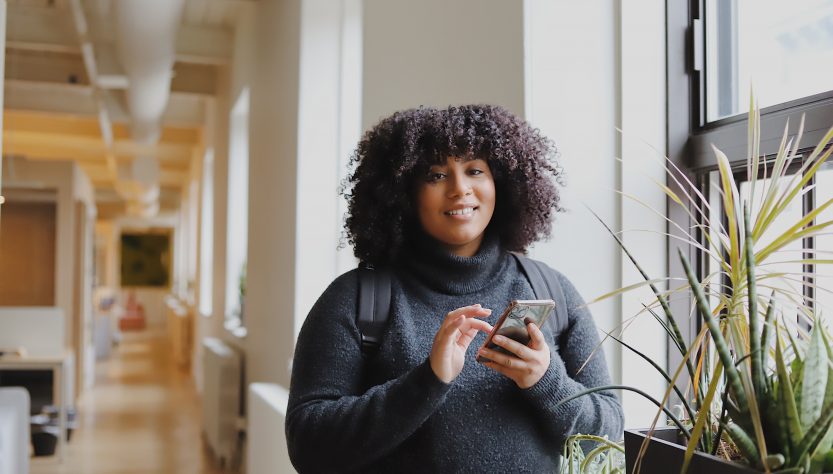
(380, 191)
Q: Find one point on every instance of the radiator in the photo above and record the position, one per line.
(221, 410)
(266, 451)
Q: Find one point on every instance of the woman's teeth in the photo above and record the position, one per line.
(459, 212)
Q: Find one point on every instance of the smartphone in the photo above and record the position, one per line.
(513, 321)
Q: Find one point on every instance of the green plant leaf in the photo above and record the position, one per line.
(653, 400)
(814, 435)
(767, 332)
(662, 372)
(702, 417)
(752, 298)
(786, 397)
(730, 197)
(744, 443)
(717, 337)
(672, 323)
(814, 379)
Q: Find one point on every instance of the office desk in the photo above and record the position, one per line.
(61, 367)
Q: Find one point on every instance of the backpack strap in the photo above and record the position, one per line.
(544, 282)
(374, 306)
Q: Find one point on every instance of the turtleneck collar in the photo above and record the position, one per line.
(443, 271)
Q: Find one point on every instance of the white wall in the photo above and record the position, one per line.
(642, 144)
(594, 67)
(436, 52)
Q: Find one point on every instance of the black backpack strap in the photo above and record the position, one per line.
(544, 282)
(374, 306)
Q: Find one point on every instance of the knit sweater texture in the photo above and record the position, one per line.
(390, 413)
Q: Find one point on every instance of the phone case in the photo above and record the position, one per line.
(513, 321)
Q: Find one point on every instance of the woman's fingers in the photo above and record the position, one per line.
(513, 346)
(525, 365)
(537, 340)
(503, 360)
(469, 332)
(464, 318)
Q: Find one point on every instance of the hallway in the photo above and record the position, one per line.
(142, 416)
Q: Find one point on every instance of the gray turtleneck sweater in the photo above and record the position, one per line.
(390, 413)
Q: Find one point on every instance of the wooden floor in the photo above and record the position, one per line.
(142, 416)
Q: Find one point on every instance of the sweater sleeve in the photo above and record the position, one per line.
(599, 413)
(332, 424)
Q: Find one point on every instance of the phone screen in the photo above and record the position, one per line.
(513, 321)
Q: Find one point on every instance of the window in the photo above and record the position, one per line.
(717, 50)
(238, 212)
(207, 233)
(781, 49)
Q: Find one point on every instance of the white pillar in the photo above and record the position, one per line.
(273, 197)
(328, 130)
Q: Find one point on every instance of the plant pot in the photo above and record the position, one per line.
(665, 455)
(44, 440)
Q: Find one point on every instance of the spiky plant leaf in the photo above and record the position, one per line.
(767, 331)
(717, 336)
(786, 397)
(814, 380)
(702, 418)
(752, 297)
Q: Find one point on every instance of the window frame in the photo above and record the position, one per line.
(690, 137)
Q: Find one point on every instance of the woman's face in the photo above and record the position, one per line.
(455, 203)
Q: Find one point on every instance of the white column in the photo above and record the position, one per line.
(273, 197)
(328, 116)
(440, 52)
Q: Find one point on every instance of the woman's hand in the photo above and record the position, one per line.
(528, 364)
(453, 338)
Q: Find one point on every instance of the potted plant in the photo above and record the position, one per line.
(761, 387)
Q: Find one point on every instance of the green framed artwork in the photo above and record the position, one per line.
(146, 259)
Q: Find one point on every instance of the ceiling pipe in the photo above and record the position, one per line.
(145, 37)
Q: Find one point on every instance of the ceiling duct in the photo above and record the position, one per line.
(145, 37)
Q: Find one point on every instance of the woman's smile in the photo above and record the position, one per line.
(463, 213)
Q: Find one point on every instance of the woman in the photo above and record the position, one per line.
(439, 197)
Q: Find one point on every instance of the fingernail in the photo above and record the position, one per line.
(499, 339)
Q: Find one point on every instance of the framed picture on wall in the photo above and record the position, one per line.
(146, 259)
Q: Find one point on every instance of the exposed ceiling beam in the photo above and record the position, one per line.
(99, 176)
(70, 145)
(51, 29)
(68, 68)
(184, 110)
(51, 123)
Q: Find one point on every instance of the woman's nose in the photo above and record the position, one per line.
(460, 186)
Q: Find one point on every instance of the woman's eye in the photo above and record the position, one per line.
(432, 177)
(475, 172)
